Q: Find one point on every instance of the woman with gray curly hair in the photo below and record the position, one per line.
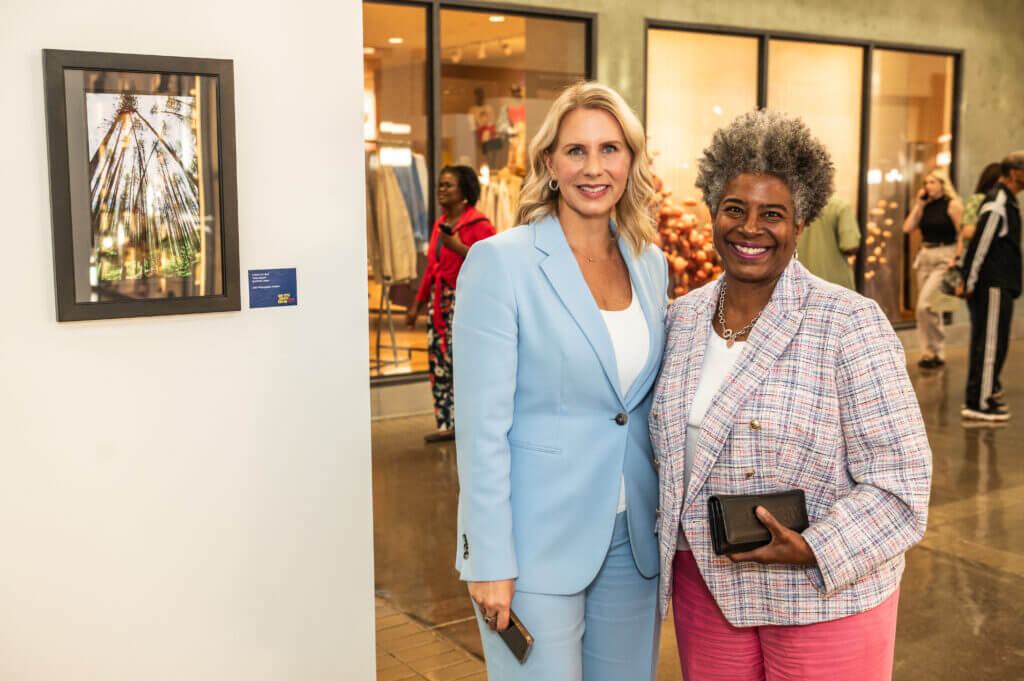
(781, 390)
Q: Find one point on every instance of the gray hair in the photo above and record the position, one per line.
(769, 143)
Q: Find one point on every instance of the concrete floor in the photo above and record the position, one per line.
(961, 598)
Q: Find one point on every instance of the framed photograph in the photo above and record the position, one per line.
(143, 185)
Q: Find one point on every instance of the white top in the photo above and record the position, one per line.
(718, 363)
(632, 343)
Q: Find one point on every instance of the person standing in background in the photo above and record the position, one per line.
(828, 241)
(460, 226)
(992, 280)
(937, 214)
(986, 181)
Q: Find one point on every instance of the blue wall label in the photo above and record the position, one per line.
(272, 288)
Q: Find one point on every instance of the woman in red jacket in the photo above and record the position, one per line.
(459, 227)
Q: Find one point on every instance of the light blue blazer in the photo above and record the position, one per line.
(543, 432)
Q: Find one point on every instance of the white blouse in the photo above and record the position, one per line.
(719, 360)
(632, 343)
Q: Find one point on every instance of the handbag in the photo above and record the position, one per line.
(735, 526)
(952, 279)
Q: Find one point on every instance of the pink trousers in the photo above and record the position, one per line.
(854, 648)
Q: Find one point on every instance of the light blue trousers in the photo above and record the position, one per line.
(607, 632)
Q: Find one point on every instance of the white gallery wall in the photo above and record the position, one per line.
(188, 498)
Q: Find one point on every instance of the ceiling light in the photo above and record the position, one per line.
(395, 156)
(395, 128)
(717, 109)
(368, 50)
(943, 159)
(396, 41)
(945, 138)
(497, 19)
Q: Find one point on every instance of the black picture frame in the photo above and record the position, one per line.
(56, 63)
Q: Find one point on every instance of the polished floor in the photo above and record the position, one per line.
(961, 611)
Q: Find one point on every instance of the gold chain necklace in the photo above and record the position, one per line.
(728, 334)
(588, 258)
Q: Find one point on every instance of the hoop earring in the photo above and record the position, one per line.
(553, 185)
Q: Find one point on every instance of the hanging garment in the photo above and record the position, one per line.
(391, 229)
(420, 163)
(412, 193)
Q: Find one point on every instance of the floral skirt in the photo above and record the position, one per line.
(439, 356)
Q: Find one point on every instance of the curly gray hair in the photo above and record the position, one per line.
(770, 143)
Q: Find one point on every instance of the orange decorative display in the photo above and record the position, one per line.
(684, 235)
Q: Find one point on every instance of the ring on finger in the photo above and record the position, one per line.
(489, 619)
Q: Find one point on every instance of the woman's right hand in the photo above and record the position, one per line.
(494, 600)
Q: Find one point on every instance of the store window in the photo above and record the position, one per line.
(821, 83)
(686, 103)
(499, 76)
(911, 135)
(396, 132)
(499, 73)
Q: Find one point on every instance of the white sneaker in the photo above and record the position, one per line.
(990, 414)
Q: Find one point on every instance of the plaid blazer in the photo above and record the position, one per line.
(819, 400)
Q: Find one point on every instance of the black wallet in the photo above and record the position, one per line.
(517, 638)
(734, 524)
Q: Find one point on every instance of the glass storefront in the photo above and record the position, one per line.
(822, 84)
(882, 145)
(499, 73)
(685, 104)
(396, 130)
(911, 134)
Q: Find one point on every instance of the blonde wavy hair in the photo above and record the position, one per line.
(633, 214)
(948, 190)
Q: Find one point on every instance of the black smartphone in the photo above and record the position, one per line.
(446, 228)
(517, 638)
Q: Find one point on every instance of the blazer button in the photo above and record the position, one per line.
(465, 555)
(622, 419)
(755, 425)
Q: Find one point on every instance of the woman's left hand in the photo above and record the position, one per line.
(787, 547)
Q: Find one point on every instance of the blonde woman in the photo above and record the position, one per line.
(558, 337)
(937, 213)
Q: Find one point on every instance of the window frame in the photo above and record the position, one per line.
(433, 9)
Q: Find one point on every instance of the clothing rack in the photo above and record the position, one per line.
(383, 310)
